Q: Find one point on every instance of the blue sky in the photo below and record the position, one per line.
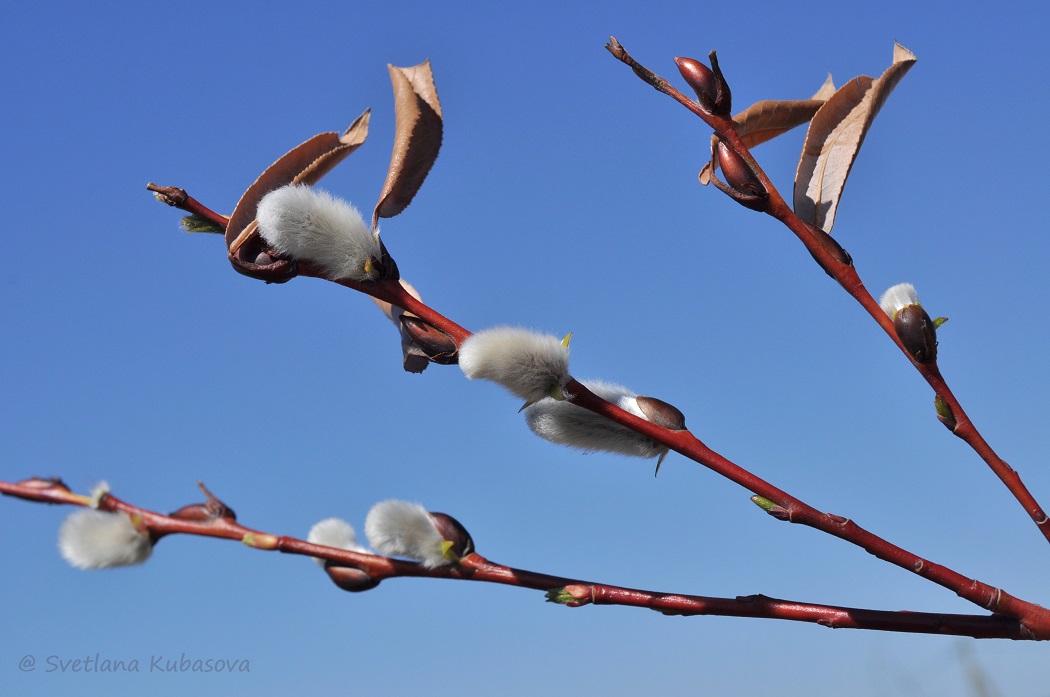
(565, 199)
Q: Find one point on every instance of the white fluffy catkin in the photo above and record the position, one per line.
(897, 298)
(334, 532)
(314, 226)
(567, 424)
(92, 539)
(527, 363)
(402, 529)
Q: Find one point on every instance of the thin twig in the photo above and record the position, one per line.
(562, 590)
(178, 198)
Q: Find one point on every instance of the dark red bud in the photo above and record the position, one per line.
(211, 509)
(701, 79)
(252, 259)
(661, 413)
(435, 344)
(43, 483)
(916, 331)
(451, 530)
(831, 246)
(740, 177)
(350, 578)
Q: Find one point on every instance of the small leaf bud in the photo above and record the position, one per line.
(944, 413)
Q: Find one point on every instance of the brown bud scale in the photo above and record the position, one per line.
(916, 331)
(661, 413)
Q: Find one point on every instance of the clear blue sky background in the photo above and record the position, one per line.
(565, 199)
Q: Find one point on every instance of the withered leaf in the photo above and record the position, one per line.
(769, 118)
(834, 139)
(304, 164)
(417, 138)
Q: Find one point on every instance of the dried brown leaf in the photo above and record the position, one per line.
(834, 139)
(417, 138)
(306, 163)
(769, 118)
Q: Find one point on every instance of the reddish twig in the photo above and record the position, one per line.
(847, 276)
(218, 522)
(178, 198)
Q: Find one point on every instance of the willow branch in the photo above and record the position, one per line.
(1033, 618)
(178, 198)
(566, 591)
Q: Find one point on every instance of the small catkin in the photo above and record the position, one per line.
(567, 424)
(313, 226)
(527, 363)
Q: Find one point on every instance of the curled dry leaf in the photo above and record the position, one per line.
(769, 118)
(417, 138)
(304, 164)
(834, 139)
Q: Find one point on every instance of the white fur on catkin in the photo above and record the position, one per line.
(402, 529)
(527, 363)
(897, 298)
(334, 532)
(92, 539)
(314, 226)
(567, 424)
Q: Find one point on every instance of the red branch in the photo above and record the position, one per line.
(178, 198)
(213, 519)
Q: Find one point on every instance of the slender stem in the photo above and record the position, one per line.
(566, 591)
(849, 279)
(178, 198)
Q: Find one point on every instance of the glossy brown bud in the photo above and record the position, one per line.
(831, 246)
(451, 530)
(916, 331)
(211, 509)
(43, 483)
(738, 172)
(252, 259)
(701, 79)
(435, 344)
(350, 578)
(661, 413)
